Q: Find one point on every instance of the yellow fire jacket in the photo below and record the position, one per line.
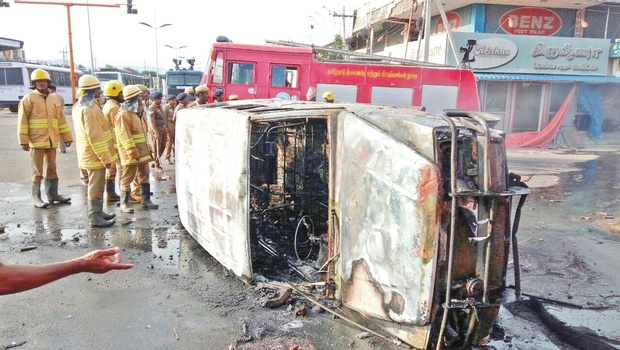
(110, 110)
(131, 138)
(41, 120)
(94, 142)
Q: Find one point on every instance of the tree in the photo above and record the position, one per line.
(110, 67)
(337, 44)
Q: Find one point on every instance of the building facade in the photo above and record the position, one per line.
(527, 60)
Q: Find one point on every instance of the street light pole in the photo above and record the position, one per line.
(176, 49)
(68, 6)
(155, 27)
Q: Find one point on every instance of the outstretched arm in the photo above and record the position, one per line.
(19, 278)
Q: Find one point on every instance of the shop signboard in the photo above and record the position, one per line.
(503, 53)
(531, 21)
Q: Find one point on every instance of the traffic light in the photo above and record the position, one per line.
(4, 4)
(130, 9)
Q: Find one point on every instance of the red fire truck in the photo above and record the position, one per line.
(276, 71)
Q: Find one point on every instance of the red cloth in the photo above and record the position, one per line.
(542, 138)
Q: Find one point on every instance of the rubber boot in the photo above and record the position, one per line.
(95, 207)
(51, 189)
(125, 208)
(146, 197)
(36, 196)
(110, 191)
(134, 196)
(105, 215)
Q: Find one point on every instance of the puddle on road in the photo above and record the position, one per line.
(588, 196)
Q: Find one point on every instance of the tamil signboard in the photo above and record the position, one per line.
(503, 53)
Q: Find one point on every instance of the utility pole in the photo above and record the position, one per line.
(64, 56)
(344, 17)
(68, 6)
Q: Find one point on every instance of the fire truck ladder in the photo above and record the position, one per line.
(361, 57)
(486, 200)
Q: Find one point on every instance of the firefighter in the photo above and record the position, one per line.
(41, 125)
(191, 95)
(95, 147)
(158, 130)
(328, 97)
(233, 98)
(114, 94)
(202, 96)
(168, 116)
(135, 185)
(133, 149)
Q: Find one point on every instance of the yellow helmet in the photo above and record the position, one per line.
(233, 98)
(189, 90)
(131, 91)
(39, 74)
(113, 88)
(88, 82)
(328, 96)
(142, 88)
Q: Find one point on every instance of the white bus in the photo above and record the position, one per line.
(15, 82)
(124, 77)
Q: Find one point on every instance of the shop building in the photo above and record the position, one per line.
(526, 59)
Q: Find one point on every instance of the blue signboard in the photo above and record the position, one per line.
(503, 53)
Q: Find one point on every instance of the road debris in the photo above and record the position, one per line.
(14, 345)
(25, 249)
(283, 294)
(176, 335)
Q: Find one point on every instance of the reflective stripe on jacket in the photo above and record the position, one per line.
(131, 138)
(94, 142)
(40, 119)
(110, 110)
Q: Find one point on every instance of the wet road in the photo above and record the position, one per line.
(175, 285)
(568, 253)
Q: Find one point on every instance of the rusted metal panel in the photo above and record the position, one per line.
(212, 184)
(388, 200)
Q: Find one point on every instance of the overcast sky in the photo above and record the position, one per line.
(119, 40)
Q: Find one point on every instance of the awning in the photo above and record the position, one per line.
(546, 77)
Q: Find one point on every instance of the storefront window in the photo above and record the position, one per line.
(527, 100)
(495, 100)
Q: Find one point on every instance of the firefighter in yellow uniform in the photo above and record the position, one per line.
(41, 124)
(95, 147)
(114, 94)
(133, 149)
(135, 185)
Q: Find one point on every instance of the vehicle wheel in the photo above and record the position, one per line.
(13, 108)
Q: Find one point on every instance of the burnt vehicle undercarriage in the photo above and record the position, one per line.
(289, 199)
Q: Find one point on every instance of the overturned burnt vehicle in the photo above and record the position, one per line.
(404, 214)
